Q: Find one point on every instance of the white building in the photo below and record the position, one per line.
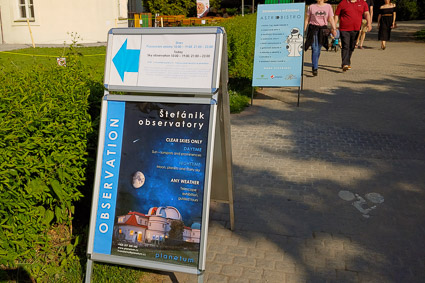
(51, 21)
(142, 228)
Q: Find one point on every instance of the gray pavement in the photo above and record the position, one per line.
(333, 190)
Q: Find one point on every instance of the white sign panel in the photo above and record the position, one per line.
(158, 61)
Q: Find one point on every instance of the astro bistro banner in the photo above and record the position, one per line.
(278, 54)
(150, 198)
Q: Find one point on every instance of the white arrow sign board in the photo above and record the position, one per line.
(162, 60)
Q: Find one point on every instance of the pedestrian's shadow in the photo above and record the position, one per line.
(332, 69)
(366, 47)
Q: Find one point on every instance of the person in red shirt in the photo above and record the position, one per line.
(350, 13)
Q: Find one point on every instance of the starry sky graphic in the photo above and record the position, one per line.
(138, 143)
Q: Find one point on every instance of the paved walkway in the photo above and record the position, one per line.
(333, 190)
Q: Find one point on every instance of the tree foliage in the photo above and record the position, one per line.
(176, 7)
(177, 228)
(407, 10)
(170, 7)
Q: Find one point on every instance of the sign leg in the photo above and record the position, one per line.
(201, 277)
(89, 269)
(298, 102)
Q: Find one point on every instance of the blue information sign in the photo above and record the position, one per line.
(152, 183)
(279, 37)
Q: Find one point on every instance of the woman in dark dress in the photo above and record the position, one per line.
(386, 21)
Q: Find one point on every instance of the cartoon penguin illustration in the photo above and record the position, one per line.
(294, 43)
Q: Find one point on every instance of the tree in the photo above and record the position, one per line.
(176, 230)
(176, 7)
(170, 7)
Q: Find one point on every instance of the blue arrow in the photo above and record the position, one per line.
(126, 60)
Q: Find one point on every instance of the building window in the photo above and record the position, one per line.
(26, 9)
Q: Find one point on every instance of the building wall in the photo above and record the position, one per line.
(54, 19)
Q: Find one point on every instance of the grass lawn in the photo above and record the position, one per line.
(93, 56)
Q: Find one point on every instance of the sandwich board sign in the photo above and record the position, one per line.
(279, 39)
(155, 160)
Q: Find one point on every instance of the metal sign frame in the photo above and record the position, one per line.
(286, 13)
(207, 185)
(166, 31)
(218, 183)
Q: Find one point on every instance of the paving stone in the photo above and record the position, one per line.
(314, 243)
(334, 244)
(256, 254)
(266, 245)
(326, 252)
(210, 256)
(237, 280)
(335, 263)
(232, 241)
(287, 265)
(237, 251)
(217, 248)
(252, 273)
(275, 256)
(315, 261)
(274, 276)
(232, 270)
(328, 273)
(265, 264)
(346, 276)
(214, 267)
(244, 261)
(217, 278)
(224, 258)
(296, 278)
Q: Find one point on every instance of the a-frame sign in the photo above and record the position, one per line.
(164, 148)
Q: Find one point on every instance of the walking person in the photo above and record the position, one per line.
(363, 29)
(386, 22)
(350, 13)
(318, 16)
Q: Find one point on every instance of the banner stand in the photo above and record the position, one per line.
(141, 105)
(279, 47)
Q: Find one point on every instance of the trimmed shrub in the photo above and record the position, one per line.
(241, 45)
(43, 147)
(407, 10)
(420, 35)
(237, 101)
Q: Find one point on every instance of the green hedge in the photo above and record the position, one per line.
(44, 123)
(420, 35)
(407, 10)
(241, 44)
(48, 121)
